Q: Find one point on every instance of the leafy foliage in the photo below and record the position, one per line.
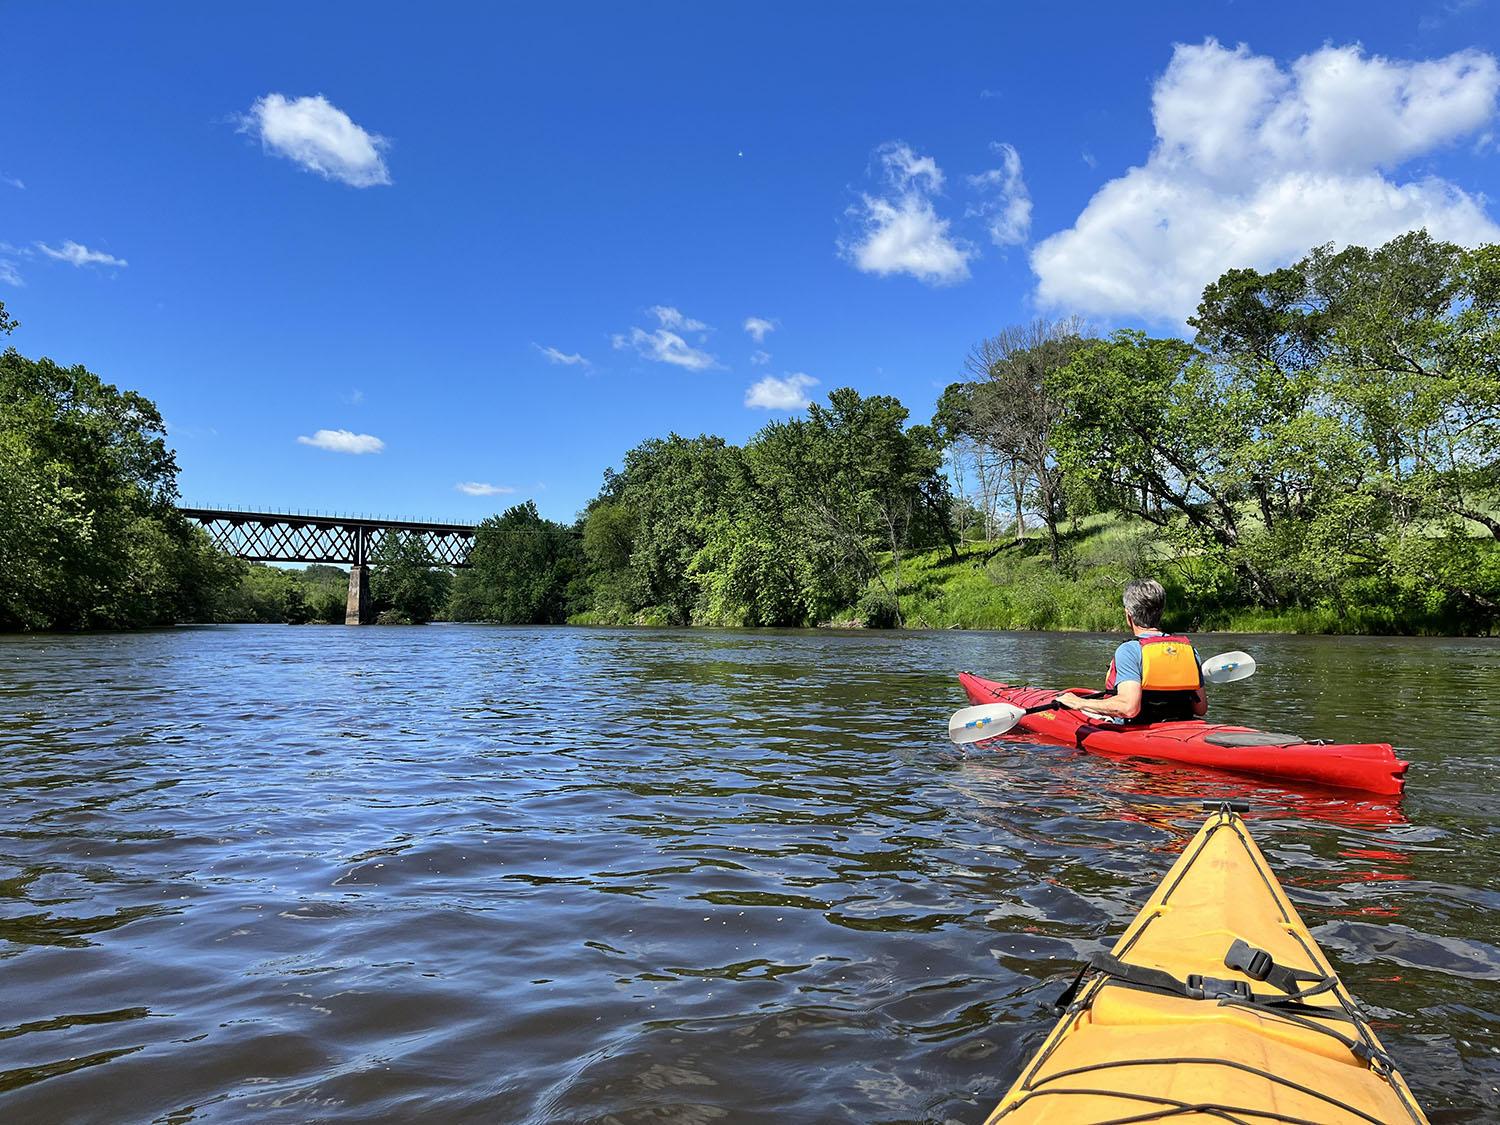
(266, 595)
(1001, 421)
(402, 577)
(522, 570)
(1330, 442)
(89, 535)
(783, 531)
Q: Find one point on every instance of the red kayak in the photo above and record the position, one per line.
(1368, 766)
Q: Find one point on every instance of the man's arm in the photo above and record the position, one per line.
(1124, 704)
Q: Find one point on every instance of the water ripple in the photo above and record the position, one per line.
(479, 874)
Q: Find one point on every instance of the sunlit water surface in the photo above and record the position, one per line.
(462, 873)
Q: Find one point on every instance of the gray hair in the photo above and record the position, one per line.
(1144, 601)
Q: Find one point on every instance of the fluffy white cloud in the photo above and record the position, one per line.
(759, 358)
(319, 136)
(9, 274)
(78, 255)
(901, 232)
(474, 488)
(663, 345)
(1255, 165)
(759, 327)
(344, 441)
(772, 393)
(1007, 210)
(555, 356)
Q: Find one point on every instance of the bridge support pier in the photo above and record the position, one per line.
(357, 611)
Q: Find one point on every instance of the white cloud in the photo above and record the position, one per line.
(772, 393)
(9, 272)
(666, 347)
(555, 356)
(902, 233)
(760, 358)
(1007, 211)
(319, 136)
(1452, 10)
(474, 488)
(759, 327)
(1255, 165)
(79, 255)
(343, 441)
(671, 318)
(12, 181)
(662, 345)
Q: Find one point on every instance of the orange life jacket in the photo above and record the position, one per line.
(1168, 664)
(1169, 674)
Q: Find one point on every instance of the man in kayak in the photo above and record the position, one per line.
(1154, 677)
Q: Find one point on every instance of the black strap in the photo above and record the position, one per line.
(1258, 965)
(1200, 987)
(1196, 987)
(1239, 995)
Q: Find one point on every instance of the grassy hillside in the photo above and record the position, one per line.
(1010, 584)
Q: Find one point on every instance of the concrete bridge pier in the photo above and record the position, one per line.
(357, 610)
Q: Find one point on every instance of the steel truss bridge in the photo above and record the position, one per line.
(352, 541)
(349, 540)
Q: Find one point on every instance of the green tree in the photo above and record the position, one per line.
(852, 482)
(609, 533)
(665, 501)
(402, 577)
(1006, 413)
(521, 571)
(754, 568)
(43, 522)
(91, 536)
(1383, 365)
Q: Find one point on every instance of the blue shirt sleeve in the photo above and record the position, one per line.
(1128, 662)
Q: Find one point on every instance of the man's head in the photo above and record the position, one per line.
(1144, 601)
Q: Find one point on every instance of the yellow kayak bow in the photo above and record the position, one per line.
(1216, 1005)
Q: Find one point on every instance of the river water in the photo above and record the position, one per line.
(461, 873)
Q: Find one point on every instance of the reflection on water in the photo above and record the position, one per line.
(467, 873)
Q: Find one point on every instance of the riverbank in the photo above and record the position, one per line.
(1012, 584)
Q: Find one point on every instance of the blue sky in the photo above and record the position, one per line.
(435, 261)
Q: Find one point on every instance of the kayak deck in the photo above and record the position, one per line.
(1167, 1027)
(1372, 767)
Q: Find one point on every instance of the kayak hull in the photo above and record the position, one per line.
(1371, 767)
(1129, 1049)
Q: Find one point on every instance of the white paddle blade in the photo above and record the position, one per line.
(988, 720)
(1229, 667)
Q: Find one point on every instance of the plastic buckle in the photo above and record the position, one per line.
(1254, 963)
(1200, 987)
